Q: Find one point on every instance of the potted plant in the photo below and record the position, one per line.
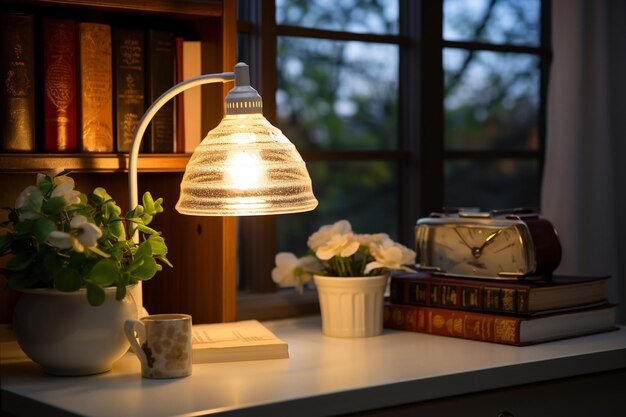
(72, 257)
(350, 272)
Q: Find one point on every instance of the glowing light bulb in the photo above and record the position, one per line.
(245, 171)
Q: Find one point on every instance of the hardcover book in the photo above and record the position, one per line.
(499, 328)
(96, 87)
(59, 63)
(516, 297)
(192, 67)
(239, 341)
(161, 58)
(129, 66)
(17, 96)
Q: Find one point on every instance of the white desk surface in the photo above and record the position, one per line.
(323, 376)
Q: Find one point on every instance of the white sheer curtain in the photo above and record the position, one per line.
(584, 184)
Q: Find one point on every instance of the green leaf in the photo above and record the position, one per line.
(54, 206)
(148, 203)
(52, 262)
(42, 229)
(95, 295)
(144, 249)
(45, 185)
(146, 268)
(20, 261)
(67, 279)
(104, 273)
(20, 279)
(147, 230)
(157, 244)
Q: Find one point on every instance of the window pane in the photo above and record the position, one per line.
(515, 22)
(364, 193)
(491, 100)
(489, 185)
(335, 95)
(362, 16)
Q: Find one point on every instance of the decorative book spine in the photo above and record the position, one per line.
(59, 63)
(96, 87)
(17, 100)
(129, 55)
(462, 295)
(161, 76)
(454, 323)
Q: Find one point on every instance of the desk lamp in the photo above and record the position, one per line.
(245, 166)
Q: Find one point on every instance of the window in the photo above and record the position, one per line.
(399, 108)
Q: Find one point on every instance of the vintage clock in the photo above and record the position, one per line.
(510, 244)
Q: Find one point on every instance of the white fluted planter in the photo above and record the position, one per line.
(64, 334)
(351, 306)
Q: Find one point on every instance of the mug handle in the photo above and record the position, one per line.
(130, 327)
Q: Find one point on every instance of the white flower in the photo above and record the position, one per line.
(66, 190)
(291, 271)
(389, 255)
(343, 245)
(368, 240)
(29, 203)
(52, 174)
(325, 233)
(82, 235)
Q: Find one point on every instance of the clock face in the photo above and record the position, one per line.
(473, 249)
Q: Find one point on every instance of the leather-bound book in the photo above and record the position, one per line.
(17, 97)
(128, 70)
(59, 64)
(161, 58)
(96, 89)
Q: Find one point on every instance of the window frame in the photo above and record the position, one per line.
(421, 155)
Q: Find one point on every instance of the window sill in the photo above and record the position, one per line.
(272, 306)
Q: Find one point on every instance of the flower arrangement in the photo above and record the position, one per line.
(58, 237)
(335, 250)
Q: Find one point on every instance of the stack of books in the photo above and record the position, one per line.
(507, 312)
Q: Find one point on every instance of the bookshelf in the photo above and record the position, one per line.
(202, 249)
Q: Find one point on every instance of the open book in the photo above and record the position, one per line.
(238, 341)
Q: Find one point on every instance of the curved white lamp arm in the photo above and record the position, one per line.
(147, 118)
(133, 154)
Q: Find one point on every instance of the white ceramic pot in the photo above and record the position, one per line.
(351, 306)
(64, 334)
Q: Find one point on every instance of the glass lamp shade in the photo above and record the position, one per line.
(245, 166)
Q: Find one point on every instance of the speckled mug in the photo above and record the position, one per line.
(164, 345)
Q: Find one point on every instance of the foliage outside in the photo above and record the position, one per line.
(334, 250)
(57, 237)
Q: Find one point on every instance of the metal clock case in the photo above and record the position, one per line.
(487, 245)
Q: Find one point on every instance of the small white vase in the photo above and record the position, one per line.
(66, 335)
(351, 306)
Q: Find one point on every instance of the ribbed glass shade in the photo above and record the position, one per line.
(245, 166)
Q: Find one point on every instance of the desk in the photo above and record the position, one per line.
(396, 372)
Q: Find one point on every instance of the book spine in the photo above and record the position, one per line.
(59, 63)
(447, 293)
(17, 99)
(96, 87)
(192, 65)
(129, 67)
(161, 76)
(453, 323)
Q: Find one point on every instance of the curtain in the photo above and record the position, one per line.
(584, 183)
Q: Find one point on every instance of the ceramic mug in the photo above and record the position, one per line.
(164, 345)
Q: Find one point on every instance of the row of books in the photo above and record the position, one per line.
(514, 313)
(96, 82)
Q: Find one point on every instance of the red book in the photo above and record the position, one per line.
(498, 328)
(59, 63)
(500, 296)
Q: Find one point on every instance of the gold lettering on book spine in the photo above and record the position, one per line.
(18, 87)
(505, 330)
(96, 81)
(58, 80)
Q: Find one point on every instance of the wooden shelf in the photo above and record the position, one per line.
(182, 8)
(90, 162)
